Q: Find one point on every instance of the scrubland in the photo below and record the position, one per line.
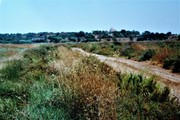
(53, 82)
(165, 54)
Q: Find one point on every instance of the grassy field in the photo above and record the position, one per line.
(164, 54)
(53, 82)
(8, 50)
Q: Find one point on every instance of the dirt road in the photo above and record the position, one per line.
(164, 77)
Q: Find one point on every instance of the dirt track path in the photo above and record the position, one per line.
(163, 76)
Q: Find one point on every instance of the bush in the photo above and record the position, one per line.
(127, 51)
(176, 67)
(12, 70)
(93, 48)
(168, 63)
(43, 52)
(147, 55)
(162, 54)
(172, 63)
(141, 98)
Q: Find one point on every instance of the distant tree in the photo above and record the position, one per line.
(123, 31)
(81, 34)
(168, 34)
(146, 33)
(117, 34)
(54, 39)
(136, 33)
(30, 35)
(96, 32)
(179, 37)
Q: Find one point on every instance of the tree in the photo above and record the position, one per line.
(81, 34)
(168, 34)
(179, 37)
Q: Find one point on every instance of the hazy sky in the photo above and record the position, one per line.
(74, 15)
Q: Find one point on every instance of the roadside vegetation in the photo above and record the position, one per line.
(165, 54)
(53, 82)
(9, 50)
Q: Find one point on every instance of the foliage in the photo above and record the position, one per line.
(147, 55)
(168, 63)
(141, 98)
(158, 53)
(12, 70)
(127, 51)
(53, 82)
(94, 36)
(172, 63)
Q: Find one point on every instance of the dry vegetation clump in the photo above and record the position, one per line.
(95, 87)
(161, 55)
(90, 84)
(10, 52)
(64, 62)
(7, 52)
(17, 45)
(139, 46)
(67, 56)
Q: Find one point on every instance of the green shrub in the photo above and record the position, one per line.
(127, 51)
(93, 48)
(147, 55)
(12, 70)
(172, 63)
(176, 67)
(42, 52)
(141, 98)
(168, 63)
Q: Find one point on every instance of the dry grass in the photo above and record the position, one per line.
(66, 59)
(18, 45)
(96, 87)
(161, 55)
(139, 46)
(10, 52)
(91, 84)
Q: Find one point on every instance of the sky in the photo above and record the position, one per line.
(22, 16)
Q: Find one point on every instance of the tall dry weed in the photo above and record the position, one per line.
(90, 84)
(162, 54)
(139, 46)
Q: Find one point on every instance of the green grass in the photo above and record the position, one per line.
(56, 83)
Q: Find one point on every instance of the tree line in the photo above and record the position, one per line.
(94, 36)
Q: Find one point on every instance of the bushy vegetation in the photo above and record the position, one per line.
(165, 54)
(56, 83)
(147, 55)
(172, 63)
(142, 98)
